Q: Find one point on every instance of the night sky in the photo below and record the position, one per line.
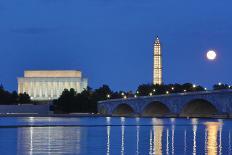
(111, 41)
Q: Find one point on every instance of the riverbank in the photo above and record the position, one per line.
(219, 116)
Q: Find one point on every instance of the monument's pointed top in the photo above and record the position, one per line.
(157, 39)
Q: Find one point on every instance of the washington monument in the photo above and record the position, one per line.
(157, 67)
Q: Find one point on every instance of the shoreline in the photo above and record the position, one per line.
(222, 116)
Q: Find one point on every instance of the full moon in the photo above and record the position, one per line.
(211, 55)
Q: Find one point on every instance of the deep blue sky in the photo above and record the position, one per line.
(111, 41)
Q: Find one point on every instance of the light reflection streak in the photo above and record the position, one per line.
(150, 144)
(31, 120)
(31, 141)
(206, 141)
(108, 140)
(137, 139)
(173, 135)
(194, 123)
(185, 141)
(137, 135)
(156, 134)
(123, 135)
(167, 143)
(108, 122)
(173, 138)
(212, 133)
(220, 139)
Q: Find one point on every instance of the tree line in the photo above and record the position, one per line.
(86, 102)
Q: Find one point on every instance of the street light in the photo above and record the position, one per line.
(108, 95)
(194, 86)
(167, 92)
(150, 94)
(173, 88)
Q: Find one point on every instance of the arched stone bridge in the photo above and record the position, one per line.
(185, 104)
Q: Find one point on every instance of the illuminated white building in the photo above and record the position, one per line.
(157, 67)
(49, 85)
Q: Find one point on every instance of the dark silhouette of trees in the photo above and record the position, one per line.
(7, 97)
(86, 101)
(24, 98)
(150, 89)
(220, 86)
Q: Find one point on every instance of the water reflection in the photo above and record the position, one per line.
(212, 135)
(40, 140)
(194, 123)
(185, 141)
(156, 134)
(137, 138)
(108, 121)
(123, 133)
(123, 136)
(167, 142)
(173, 135)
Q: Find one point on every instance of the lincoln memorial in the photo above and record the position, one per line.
(49, 85)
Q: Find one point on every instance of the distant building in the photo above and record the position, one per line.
(49, 85)
(157, 66)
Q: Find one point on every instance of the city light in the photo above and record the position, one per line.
(167, 92)
(194, 86)
(135, 96)
(185, 90)
(205, 88)
(173, 88)
(150, 94)
(122, 94)
(137, 92)
(108, 95)
(219, 83)
(124, 97)
(153, 90)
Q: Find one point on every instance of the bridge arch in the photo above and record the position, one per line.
(155, 108)
(123, 109)
(199, 107)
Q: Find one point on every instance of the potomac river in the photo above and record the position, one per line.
(114, 135)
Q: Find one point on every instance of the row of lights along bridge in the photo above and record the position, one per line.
(171, 90)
